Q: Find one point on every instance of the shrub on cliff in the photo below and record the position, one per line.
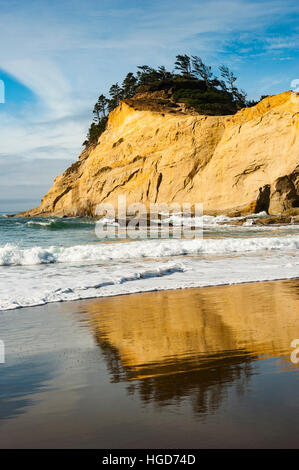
(210, 102)
(95, 131)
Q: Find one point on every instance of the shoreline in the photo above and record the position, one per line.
(150, 291)
(46, 261)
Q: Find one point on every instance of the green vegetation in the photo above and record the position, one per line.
(192, 82)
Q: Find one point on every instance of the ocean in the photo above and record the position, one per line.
(45, 260)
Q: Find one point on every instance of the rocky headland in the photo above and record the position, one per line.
(156, 150)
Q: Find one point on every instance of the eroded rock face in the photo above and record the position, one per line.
(232, 164)
(285, 193)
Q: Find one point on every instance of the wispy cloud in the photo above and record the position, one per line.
(17, 191)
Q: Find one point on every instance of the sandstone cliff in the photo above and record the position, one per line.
(247, 162)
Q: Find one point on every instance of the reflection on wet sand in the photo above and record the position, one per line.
(195, 343)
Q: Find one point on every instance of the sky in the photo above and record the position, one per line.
(58, 56)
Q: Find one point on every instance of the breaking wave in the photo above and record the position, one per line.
(12, 255)
(59, 224)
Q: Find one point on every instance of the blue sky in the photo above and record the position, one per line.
(57, 57)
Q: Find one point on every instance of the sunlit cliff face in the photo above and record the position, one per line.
(228, 163)
(196, 342)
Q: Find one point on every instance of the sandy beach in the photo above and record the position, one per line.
(193, 368)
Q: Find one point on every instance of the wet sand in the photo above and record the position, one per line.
(193, 368)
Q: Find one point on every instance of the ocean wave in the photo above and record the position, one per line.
(59, 224)
(210, 220)
(21, 287)
(175, 219)
(11, 254)
(75, 290)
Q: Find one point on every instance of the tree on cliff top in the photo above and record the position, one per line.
(202, 70)
(100, 108)
(229, 80)
(192, 82)
(183, 65)
(129, 85)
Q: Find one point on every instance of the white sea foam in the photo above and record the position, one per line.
(13, 255)
(210, 220)
(59, 223)
(175, 219)
(32, 223)
(53, 271)
(41, 284)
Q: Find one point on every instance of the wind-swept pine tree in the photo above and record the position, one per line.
(201, 70)
(102, 104)
(164, 74)
(96, 113)
(129, 85)
(183, 64)
(229, 85)
(100, 108)
(228, 76)
(146, 75)
(116, 93)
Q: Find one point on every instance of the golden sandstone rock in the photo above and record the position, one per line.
(237, 164)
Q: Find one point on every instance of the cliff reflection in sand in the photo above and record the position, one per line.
(194, 344)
